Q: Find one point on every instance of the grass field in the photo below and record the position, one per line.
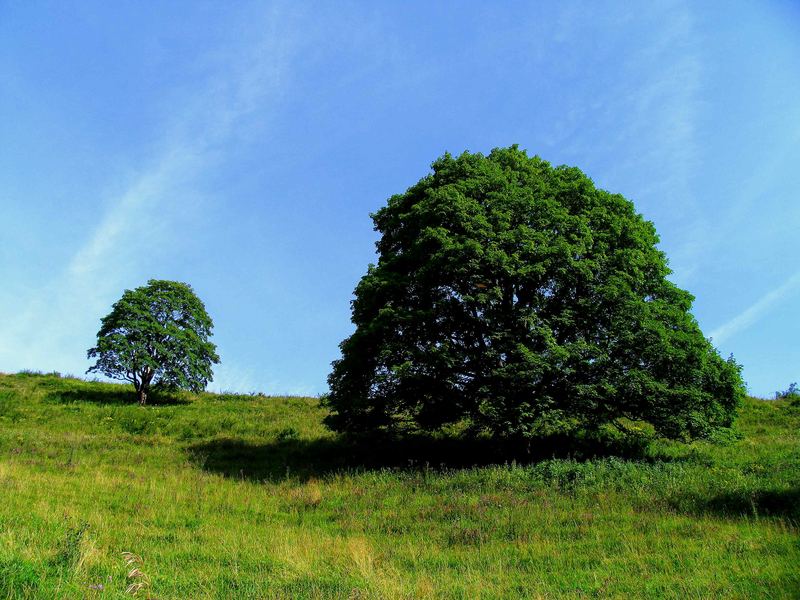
(228, 496)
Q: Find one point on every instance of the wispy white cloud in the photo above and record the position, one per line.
(640, 128)
(665, 108)
(757, 310)
(232, 102)
(131, 212)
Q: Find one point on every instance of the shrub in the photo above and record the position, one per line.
(790, 393)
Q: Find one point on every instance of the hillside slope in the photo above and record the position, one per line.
(250, 497)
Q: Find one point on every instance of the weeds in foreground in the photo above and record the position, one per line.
(139, 580)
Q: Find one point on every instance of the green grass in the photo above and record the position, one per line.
(228, 496)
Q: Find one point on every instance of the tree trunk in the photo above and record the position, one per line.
(145, 378)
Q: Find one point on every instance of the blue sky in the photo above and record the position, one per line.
(240, 147)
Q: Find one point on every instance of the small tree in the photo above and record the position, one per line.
(510, 295)
(791, 393)
(156, 335)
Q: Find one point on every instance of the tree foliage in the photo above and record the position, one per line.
(510, 295)
(157, 334)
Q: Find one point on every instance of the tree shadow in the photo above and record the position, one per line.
(118, 397)
(743, 504)
(304, 459)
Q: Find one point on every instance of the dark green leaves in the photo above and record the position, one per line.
(509, 293)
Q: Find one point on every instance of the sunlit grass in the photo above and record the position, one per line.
(251, 497)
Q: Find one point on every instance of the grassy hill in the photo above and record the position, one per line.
(234, 496)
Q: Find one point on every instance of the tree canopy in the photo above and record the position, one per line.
(156, 334)
(510, 295)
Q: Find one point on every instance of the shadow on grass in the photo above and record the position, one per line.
(744, 503)
(122, 396)
(304, 459)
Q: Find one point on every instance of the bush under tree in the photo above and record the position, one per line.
(156, 335)
(510, 297)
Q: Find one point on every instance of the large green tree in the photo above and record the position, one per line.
(510, 294)
(157, 334)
